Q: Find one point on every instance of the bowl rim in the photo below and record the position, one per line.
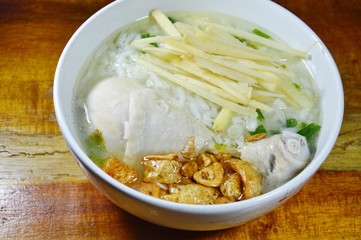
(298, 180)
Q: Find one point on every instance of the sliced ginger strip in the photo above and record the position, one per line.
(210, 60)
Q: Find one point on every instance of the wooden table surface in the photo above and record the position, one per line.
(43, 193)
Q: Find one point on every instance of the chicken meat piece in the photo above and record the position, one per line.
(157, 127)
(136, 122)
(108, 110)
(278, 158)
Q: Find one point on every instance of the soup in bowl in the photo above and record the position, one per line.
(205, 117)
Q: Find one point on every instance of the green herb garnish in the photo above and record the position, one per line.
(154, 44)
(249, 43)
(273, 132)
(172, 19)
(260, 116)
(298, 86)
(148, 35)
(309, 131)
(259, 129)
(219, 146)
(303, 124)
(96, 148)
(260, 33)
(291, 122)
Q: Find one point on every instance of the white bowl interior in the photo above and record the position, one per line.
(266, 14)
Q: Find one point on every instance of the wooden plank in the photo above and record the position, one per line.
(35, 159)
(33, 35)
(328, 207)
(346, 154)
(44, 194)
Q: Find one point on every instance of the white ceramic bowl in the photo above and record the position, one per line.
(264, 13)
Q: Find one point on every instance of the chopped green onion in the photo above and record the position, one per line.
(274, 132)
(98, 161)
(172, 19)
(96, 148)
(148, 35)
(303, 124)
(297, 86)
(260, 116)
(219, 146)
(283, 65)
(309, 131)
(291, 122)
(249, 43)
(154, 44)
(260, 33)
(259, 129)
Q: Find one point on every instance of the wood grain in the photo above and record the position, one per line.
(35, 159)
(322, 210)
(44, 194)
(33, 35)
(346, 154)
